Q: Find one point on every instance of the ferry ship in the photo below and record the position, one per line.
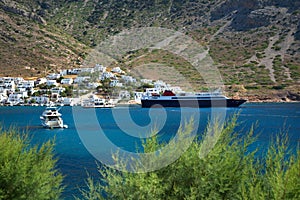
(198, 100)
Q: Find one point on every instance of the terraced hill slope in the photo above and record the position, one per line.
(255, 43)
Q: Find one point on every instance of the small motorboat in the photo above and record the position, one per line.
(51, 118)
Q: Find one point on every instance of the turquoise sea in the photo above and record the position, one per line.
(123, 127)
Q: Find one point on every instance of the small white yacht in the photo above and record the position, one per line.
(51, 118)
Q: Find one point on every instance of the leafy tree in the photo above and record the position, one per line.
(59, 79)
(63, 94)
(32, 101)
(27, 172)
(69, 90)
(105, 86)
(229, 170)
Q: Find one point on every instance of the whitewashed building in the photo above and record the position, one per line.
(67, 81)
(63, 72)
(26, 84)
(146, 81)
(74, 71)
(24, 94)
(138, 96)
(106, 75)
(53, 76)
(3, 96)
(99, 68)
(124, 94)
(150, 91)
(15, 98)
(51, 82)
(40, 81)
(87, 70)
(115, 83)
(67, 101)
(41, 99)
(176, 89)
(18, 80)
(81, 79)
(160, 85)
(8, 83)
(117, 70)
(93, 85)
(57, 90)
(128, 79)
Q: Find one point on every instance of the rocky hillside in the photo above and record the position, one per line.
(255, 43)
(32, 47)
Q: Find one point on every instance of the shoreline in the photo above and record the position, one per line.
(133, 105)
(273, 100)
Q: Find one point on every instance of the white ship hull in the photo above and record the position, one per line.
(53, 123)
(51, 118)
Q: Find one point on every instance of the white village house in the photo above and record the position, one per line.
(25, 85)
(67, 101)
(161, 85)
(106, 75)
(87, 70)
(51, 82)
(128, 79)
(138, 96)
(93, 85)
(53, 76)
(81, 79)
(40, 81)
(41, 99)
(57, 90)
(150, 91)
(146, 81)
(8, 83)
(124, 94)
(3, 95)
(16, 98)
(67, 81)
(115, 83)
(99, 68)
(117, 70)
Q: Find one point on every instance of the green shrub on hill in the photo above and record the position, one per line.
(27, 172)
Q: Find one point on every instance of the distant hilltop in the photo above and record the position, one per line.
(255, 44)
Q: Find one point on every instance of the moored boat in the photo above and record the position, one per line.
(51, 118)
(199, 100)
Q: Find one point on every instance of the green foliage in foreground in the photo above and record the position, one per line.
(27, 172)
(227, 171)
